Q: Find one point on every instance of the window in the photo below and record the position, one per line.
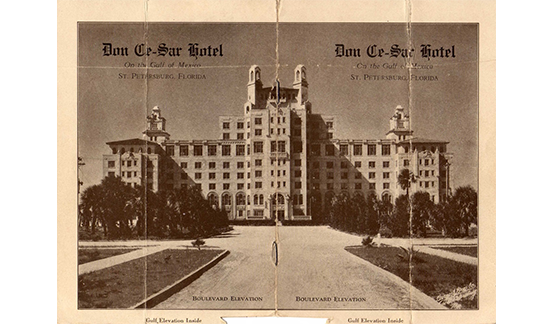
(240, 136)
(240, 165)
(426, 173)
(281, 146)
(385, 164)
(330, 150)
(386, 175)
(406, 162)
(226, 150)
(240, 150)
(298, 162)
(184, 150)
(344, 165)
(329, 164)
(316, 165)
(258, 121)
(258, 162)
(344, 175)
(371, 149)
(329, 186)
(212, 150)
(358, 175)
(358, 164)
(197, 150)
(297, 147)
(211, 165)
(426, 162)
(258, 174)
(329, 125)
(128, 163)
(226, 175)
(225, 125)
(170, 150)
(258, 147)
(225, 136)
(298, 185)
(111, 174)
(257, 132)
(211, 175)
(344, 186)
(183, 176)
(240, 175)
(198, 176)
(258, 185)
(315, 175)
(372, 186)
(330, 175)
(344, 149)
(240, 125)
(212, 186)
(386, 149)
(315, 149)
(372, 175)
(226, 186)
(357, 149)
(226, 165)
(283, 120)
(386, 185)
(226, 198)
(198, 165)
(240, 186)
(111, 164)
(358, 185)
(371, 164)
(298, 173)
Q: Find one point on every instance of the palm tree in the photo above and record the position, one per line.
(405, 179)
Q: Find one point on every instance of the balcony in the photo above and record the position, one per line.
(279, 155)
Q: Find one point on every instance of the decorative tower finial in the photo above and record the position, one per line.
(156, 126)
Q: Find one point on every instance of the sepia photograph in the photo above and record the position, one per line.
(290, 166)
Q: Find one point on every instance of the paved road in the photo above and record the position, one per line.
(247, 272)
(314, 272)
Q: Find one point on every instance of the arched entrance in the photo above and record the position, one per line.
(278, 206)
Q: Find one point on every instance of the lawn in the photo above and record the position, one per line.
(92, 254)
(466, 250)
(127, 284)
(433, 275)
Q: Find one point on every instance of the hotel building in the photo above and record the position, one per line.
(279, 159)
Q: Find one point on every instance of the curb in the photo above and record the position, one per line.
(165, 293)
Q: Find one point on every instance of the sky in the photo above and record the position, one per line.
(113, 107)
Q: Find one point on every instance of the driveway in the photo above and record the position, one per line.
(314, 272)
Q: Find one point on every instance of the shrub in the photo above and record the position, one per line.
(198, 243)
(385, 232)
(368, 241)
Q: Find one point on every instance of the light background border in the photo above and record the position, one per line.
(517, 142)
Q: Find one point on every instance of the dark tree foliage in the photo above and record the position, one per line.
(124, 212)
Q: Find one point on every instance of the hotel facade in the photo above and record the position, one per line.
(279, 159)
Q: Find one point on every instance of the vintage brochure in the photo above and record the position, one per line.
(322, 159)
